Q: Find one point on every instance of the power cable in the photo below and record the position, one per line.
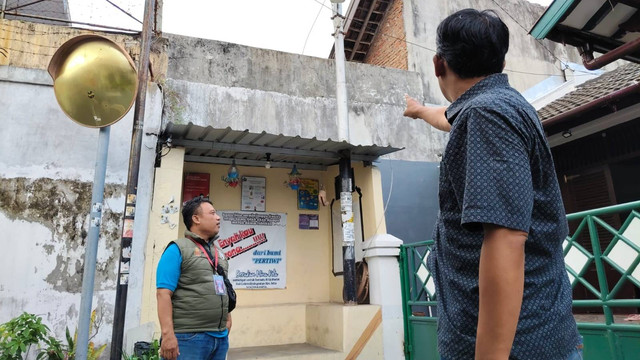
(18, 6)
(381, 32)
(124, 11)
(434, 51)
(384, 212)
(527, 31)
(108, 28)
(312, 25)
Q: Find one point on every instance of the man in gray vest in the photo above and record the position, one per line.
(192, 298)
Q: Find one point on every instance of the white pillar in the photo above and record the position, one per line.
(381, 252)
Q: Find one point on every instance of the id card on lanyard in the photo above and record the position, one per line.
(218, 280)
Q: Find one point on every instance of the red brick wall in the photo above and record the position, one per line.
(386, 49)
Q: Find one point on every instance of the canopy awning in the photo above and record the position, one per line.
(222, 146)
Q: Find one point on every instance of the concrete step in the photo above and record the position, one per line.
(283, 352)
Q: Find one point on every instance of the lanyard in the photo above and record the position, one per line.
(206, 253)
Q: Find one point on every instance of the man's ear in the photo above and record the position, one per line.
(439, 66)
(195, 219)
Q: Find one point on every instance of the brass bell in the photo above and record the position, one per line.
(94, 80)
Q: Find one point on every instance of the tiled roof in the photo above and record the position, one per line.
(591, 90)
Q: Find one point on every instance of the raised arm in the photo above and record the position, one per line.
(433, 116)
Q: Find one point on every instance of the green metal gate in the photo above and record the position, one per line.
(604, 247)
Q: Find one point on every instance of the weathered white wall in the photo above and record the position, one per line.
(527, 61)
(46, 173)
(218, 84)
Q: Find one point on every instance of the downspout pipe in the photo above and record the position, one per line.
(593, 64)
(603, 101)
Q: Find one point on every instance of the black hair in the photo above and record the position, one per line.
(473, 42)
(192, 207)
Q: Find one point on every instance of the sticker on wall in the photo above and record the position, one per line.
(127, 228)
(130, 211)
(126, 252)
(308, 222)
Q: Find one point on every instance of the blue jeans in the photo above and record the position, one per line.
(577, 353)
(200, 346)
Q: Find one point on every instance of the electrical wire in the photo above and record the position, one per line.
(18, 6)
(322, 5)
(9, 50)
(381, 32)
(527, 32)
(124, 11)
(312, 25)
(386, 205)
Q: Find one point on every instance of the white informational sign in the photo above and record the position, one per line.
(256, 245)
(253, 193)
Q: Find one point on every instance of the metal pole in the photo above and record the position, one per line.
(346, 198)
(91, 252)
(348, 236)
(4, 6)
(132, 184)
(341, 83)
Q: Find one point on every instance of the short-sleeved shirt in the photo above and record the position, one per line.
(497, 169)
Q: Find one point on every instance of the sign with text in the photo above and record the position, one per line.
(256, 245)
(195, 184)
(253, 193)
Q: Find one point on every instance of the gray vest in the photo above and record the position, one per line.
(196, 307)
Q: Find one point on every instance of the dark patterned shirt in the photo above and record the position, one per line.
(497, 168)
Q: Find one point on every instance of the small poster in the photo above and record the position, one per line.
(130, 211)
(195, 184)
(308, 222)
(308, 194)
(127, 230)
(254, 192)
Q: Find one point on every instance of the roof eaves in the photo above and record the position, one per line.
(550, 18)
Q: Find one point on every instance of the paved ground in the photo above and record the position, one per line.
(599, 318)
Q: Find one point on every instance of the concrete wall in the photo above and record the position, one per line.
(211, 83)
(46, 174)
(46, 170)
(527, 62)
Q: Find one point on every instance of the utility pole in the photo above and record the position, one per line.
(132, 183)
(346, 198)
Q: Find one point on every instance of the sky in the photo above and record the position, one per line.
(294, 26)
